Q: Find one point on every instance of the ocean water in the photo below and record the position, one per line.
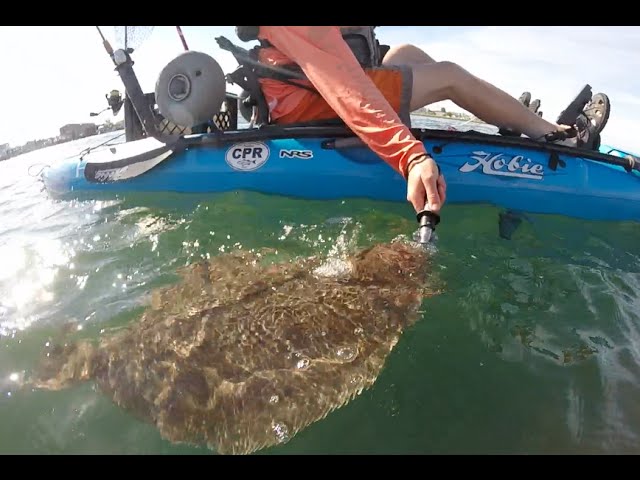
(533, 346)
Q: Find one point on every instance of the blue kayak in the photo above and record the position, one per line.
(328, 162)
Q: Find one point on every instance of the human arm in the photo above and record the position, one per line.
(334, 71)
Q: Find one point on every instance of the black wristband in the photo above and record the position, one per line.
(425, 156)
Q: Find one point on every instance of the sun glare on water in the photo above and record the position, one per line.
(26, 279)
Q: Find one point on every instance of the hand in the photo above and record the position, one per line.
(426, 187)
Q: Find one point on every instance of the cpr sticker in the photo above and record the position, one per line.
(247, 157)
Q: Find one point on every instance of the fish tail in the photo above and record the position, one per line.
(62, 366)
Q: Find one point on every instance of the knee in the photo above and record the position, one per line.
(454, 72)
(408, 48)
(451, 68)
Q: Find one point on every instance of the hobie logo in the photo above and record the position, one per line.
(504, 165)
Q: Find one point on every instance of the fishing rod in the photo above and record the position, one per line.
(105, 43)
(184, 42)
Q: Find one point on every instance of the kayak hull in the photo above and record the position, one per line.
(319, 164)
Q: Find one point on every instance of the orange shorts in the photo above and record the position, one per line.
(395, 83)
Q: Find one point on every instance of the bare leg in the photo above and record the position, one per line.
(411, 55)
(440, 81)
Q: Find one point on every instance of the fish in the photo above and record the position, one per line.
(243, 354)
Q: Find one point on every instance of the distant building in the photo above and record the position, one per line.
(75, 131)
(4, 149)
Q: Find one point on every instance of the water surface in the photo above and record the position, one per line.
(534, 346)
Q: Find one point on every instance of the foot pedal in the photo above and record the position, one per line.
(535, 106)
(525, 98)
(575, 108)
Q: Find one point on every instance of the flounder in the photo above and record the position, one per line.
(240, 356)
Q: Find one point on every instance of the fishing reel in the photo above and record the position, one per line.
(115, 102)
(191, 89)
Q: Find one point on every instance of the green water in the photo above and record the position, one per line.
(533, 346)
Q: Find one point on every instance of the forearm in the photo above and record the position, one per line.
(331, 67)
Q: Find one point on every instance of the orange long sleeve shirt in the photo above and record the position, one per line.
(332, 68)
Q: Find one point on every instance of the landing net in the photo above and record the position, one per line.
(131, 37)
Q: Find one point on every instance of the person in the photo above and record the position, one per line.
(374, 96)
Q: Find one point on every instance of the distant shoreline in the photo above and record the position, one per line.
(75, 132)
(43, 143)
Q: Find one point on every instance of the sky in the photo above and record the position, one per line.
(60, 74)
